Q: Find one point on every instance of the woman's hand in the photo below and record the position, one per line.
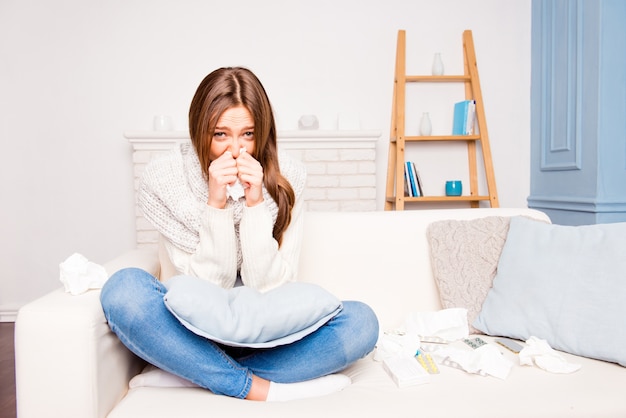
(222, 172)
(251, 177)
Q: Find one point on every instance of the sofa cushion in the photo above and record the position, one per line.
(245, 317)
(564, 284)
(464, 256)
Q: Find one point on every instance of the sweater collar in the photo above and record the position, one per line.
(195, 177)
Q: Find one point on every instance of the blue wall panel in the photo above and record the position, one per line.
(578, 99)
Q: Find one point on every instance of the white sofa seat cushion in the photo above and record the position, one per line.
(527, 392)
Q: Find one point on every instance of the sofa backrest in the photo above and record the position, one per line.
(381, 258)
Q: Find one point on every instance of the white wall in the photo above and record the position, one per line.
(76, 74)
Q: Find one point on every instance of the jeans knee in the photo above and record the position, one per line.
(365, 326)
(125, 290)
(370, 325)
(116, 286)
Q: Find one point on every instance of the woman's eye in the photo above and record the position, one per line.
(249, 134)
(219, 134)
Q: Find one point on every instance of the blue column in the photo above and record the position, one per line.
(578, 110)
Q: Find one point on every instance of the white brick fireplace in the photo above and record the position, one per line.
(341, 167)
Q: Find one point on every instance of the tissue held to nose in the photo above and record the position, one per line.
(236, 190)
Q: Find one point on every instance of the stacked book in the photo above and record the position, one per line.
(464, 117)
(412, 181)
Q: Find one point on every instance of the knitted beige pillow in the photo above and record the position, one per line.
(464, 257)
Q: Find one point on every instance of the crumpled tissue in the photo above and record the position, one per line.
(79, 274)
(539, 353)
(484, 360)
(236, 191)
(448, 324)
(391, 344)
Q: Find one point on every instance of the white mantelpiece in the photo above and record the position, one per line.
(341, 167)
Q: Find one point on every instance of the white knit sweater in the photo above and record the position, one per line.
(215, 244)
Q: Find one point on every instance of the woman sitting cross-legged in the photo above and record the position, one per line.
(230, 209)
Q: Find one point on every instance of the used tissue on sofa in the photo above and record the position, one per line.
(539, 353)
(484, 360)
(79, 274)
(447, 324)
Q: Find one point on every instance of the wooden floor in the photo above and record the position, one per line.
(7, 371)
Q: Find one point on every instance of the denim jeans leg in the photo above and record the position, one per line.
(132, 301)
(349, 336)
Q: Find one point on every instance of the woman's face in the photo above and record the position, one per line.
(234, 131)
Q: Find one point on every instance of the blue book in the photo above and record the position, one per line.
(412, 180)
(463, 123)
(415, 179)
(407, 182)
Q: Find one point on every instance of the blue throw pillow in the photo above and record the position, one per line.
(245, 317)
(564, 284)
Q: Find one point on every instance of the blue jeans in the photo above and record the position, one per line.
(132, 300)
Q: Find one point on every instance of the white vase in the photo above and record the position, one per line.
(437, 64)
(425, 125)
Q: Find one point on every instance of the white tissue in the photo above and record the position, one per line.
(485, 360)
(79, 274)
(392, 344)
(235, 191)
(448, 324)
(539, 352)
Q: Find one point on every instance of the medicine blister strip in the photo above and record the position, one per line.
(427, 362)
(474, 342)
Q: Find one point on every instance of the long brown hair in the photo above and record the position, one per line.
(235, 86)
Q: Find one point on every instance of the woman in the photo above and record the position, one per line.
(211, 232)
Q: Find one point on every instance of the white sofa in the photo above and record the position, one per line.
(69, 365)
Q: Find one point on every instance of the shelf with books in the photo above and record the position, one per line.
(468, 198)
(470, 127)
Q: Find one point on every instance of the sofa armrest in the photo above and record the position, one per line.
(67, 361)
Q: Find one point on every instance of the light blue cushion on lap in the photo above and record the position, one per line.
(564, 284)
(244, 317)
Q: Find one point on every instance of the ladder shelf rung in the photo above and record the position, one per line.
(436, 78)
(440, 198)
(442, 138)
(438, 138)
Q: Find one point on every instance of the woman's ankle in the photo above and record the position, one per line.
(258, 389)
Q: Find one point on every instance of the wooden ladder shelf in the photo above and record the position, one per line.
(395, 197)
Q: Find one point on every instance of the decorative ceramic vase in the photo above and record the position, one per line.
(425, 125)
(437, 65)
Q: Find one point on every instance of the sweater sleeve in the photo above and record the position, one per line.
(265, 265)
(215, 258)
